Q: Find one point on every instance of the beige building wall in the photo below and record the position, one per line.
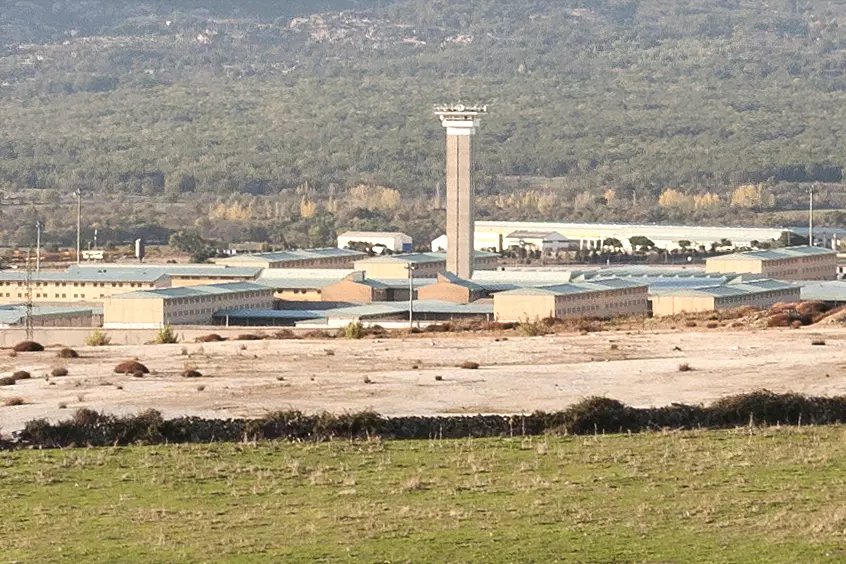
(812, 267)
(69, 291)
(147, 312)
(351, 291)
(445, 292)
(299, 294)
(673, 305)
(600, 303)
(517, 307)
(181, 281)
(390, 270)
(156, 311)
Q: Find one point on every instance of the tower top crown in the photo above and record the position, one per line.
(459, 111)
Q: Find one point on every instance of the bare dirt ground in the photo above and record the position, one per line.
(517, 374)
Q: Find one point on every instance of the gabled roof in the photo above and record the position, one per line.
(545, 235)
(573, 288)
(778, 254)
(419, 258)
(176, 270)
(294, 255)
(194, 291)
(450, 278)
(84, 275)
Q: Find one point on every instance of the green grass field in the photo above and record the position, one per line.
(768, 495)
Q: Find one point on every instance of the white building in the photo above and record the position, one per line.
(548, 242)
(393, 241)
(592, 235)
(482, 241)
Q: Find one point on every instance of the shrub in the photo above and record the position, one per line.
(818, 342)
(67, 353)
(469, 365)
(778, 320)
(138, 374)
(317, 334)
(285, 334)
(531, 328)
(210, 338)
(166, 336)
(712, 325)
(191, 373)
(131, 367)
(438, 378)
(98, 338)
(28, 346)
(7, 381)
(21, 375)
(59, 371)
(11, 402)
(248, 337)
(684, 367)
(354, 331)
(63, 405)
(690, 324)
(367, 380)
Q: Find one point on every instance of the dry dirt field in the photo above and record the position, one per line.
(398, 376)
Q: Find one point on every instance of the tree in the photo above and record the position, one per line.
(612, 243)
(684, 244)
(641, 243)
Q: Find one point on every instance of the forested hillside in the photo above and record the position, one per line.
(287, 120)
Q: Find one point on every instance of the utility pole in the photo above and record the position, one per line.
(811, 217)
(38, 246)
(78, 195)
(28, 321)
(411, 268)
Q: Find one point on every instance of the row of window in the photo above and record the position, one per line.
(39, 284)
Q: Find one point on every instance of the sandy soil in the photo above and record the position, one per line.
(516, 375)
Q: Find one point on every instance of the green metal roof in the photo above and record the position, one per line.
(194, 291)
(779, 254)
(127, 271)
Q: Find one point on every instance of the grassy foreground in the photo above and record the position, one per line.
(764, 495)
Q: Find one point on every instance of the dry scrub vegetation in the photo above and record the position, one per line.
(596, 498)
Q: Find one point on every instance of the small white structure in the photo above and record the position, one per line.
(393, 241)
(481, 242)
(548, 242)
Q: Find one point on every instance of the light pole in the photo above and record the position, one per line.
(811, 217)
(411, 268)
(38, 246)
(78, 195)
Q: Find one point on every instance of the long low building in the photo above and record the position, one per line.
(307, 258)
(758, 293)
(490, 235)
(790, 263)
(46, 316)
(78, 286)
(424, 265)
(599, 299)
(179, 274)
(194, 305)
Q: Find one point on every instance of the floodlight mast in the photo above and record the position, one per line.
(460, 122)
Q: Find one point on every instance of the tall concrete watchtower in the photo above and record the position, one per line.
(460, 123)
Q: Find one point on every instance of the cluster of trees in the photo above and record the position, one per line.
(601, 110)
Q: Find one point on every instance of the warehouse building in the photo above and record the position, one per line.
(393, 241)
(88, 285)
(424, 265)
(12, 316)
(310, 258)
(357, 288)
(791, 263)
(194, 305)
(450, 288)
(546, 242)
(179, 274)
(591, 236)
(759, 294)
(599, 299)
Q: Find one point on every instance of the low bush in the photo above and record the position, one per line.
(210, 338)
(67, 353)
(684, 367)
(818, 342)
(191, 373)
(285, 334)
(712, 325)
(166, 336)
(779, 320)
(138, 374)
(438, 328)
(21, 375)
(59, 371)
(354, 331)
(131, 367)
(13, 401)
(469, 365)
(691, 324)
(98, 338)
(28, 346)
(532, 328)
(590, 416)
(317, 334)
(7, 381)
(248, 337)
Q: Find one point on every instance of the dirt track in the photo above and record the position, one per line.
(516, 375)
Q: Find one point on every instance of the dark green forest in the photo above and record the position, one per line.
(286, 120)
